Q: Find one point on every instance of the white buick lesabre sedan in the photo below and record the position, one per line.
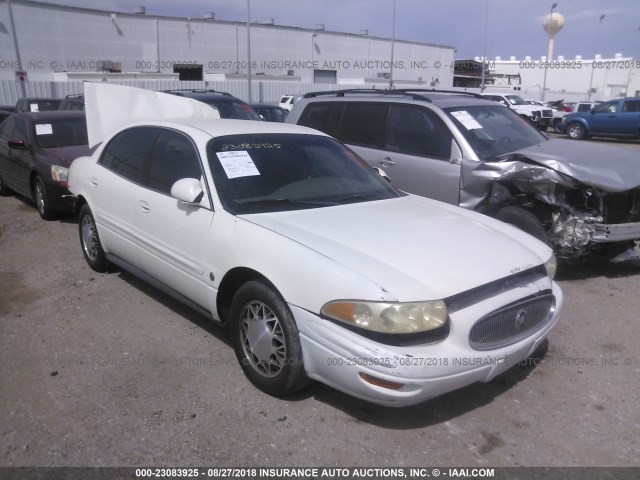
(321, 269)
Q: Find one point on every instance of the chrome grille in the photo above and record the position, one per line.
(547, 113)
(512, 323)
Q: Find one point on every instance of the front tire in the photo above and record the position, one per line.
(41, 200)
(90, 241)
(575, 131)
(266, 340)
(525, 221)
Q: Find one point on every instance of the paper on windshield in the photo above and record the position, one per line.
(466, 120)
(237, 164)
(33, 107)
(44, 129)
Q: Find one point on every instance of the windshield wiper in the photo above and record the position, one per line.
(356, 198)
(287, 201)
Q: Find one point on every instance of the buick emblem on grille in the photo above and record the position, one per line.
(521, 318)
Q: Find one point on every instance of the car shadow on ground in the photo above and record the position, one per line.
(177, 307)
(435, 411)
(28, 205)
(598, 269)
(432, 412)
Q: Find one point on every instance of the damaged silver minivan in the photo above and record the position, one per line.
(582, 199)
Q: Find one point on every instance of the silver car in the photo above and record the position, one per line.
(457, 147)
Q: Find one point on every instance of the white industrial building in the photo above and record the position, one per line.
(48, 50)
(59, 43)
(567, 78)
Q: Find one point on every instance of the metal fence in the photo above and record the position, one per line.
(262, 91)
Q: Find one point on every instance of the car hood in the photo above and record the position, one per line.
(412, 247)
(608, 168)
(63, 156)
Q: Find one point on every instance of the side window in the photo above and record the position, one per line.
(8, 128)
(418, 131)
(174, 157)
(127, 152)
(364, 124)
(22, 130)
(608, 107)
(322, 116)
(631, 106)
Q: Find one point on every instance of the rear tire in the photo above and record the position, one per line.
(266, 340)
(90, 241)
(525, 221)
(41, 200)
(575, 131)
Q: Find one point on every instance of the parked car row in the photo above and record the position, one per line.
(615, 118)
(322, 267)
(540, 116)
(38, 143)
(289, 238)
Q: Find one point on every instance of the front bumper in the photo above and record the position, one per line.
(59, 197)
(338, 357)
(621, 232)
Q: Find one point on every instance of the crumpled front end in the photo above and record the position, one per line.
(580, 220)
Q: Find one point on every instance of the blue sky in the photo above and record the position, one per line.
(514, 26)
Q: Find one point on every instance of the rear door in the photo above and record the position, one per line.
(116, 190)
(629, 117)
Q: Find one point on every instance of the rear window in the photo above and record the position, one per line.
(359, 123)
(61, 133)
(232, 109)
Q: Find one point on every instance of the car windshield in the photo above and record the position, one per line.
(516, 100)
(493, 131)
(257, 173)
(237, 110)
(61, 133)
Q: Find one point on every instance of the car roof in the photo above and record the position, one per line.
(440, 98)
(265, 105)
(204, 95)
(222, 127)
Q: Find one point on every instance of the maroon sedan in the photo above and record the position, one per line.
(36, 150)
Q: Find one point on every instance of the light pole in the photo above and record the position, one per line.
(15, 45)
(484, 50)
(249, 49)
(393, 41)
(594, 56)
(552, 25)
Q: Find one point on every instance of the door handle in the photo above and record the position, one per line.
(386, 162)
(93, 181)
(144, 206)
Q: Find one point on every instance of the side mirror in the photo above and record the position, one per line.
(382, 173)
(187, 190)
(17, 144)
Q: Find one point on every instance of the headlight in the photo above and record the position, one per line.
(59, 174)
(411, 317)
(551, 266)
